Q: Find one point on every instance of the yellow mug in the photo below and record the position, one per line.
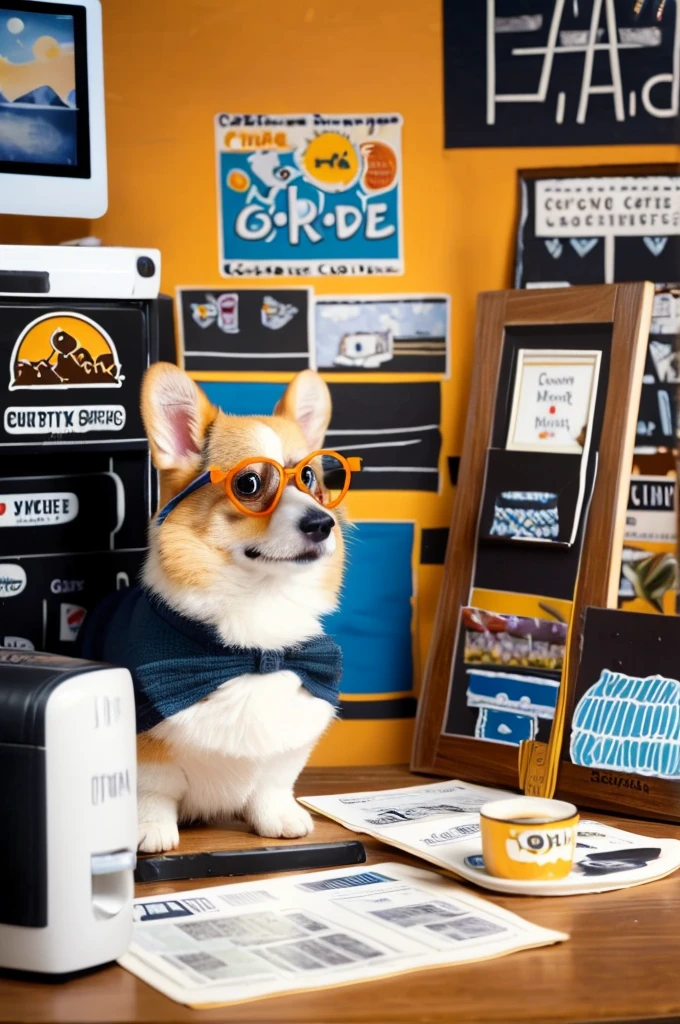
(529, 838)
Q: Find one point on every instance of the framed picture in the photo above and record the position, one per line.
(553, 400)
(620, 749)
(538, 522)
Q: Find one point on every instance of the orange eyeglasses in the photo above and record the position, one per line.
(255, 484)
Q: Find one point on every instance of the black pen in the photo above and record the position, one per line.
(262, 860)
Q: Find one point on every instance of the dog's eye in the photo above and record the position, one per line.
(248, 485)
(308, 477)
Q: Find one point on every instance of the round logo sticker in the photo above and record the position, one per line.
(64, 350)
(331, 162)
(12, 579)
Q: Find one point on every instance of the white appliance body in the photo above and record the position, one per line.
(90, 825)
(83, 272)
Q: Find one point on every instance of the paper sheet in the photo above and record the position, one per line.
(440, 823)
(246, 940)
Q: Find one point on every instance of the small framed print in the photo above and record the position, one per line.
(553, 401)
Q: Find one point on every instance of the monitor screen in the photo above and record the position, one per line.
(44, 122)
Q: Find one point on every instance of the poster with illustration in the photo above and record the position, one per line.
(245, 329)
(561, 72)
(626, 715)
(309, 194)
(38, 102)
(506, 674)
(649, 565)
(596, 225)
(382, 334)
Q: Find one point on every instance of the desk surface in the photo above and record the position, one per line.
(622, 962)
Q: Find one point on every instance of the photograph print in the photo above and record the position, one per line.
(382, 334)
(38, 97)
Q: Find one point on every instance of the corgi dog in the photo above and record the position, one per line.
(254, 583)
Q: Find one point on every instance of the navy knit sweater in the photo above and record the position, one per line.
(176, 661)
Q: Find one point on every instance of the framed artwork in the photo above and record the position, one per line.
(553, 400)
(620, 749)
(538, 522)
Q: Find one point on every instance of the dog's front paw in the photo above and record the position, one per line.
(281, 820)
(157, 836)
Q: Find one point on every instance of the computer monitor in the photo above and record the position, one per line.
(52, 127)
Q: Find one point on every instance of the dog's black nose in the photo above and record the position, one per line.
(316, 524)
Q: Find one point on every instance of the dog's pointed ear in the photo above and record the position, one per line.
(177, 415)
(307, 400)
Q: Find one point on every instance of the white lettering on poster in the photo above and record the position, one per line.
(602, 207)
(651, 510)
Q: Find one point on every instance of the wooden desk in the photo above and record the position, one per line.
(622, 962)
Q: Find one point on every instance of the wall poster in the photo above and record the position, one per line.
(382, 334)
(309, 194)
(245, 329)
(561, 72)
(649, 567)
(592, 225)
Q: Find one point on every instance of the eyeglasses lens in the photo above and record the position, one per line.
(324, 477)
(256, 486)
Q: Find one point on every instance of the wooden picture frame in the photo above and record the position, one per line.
(619, 316)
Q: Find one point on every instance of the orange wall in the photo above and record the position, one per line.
(171, 65)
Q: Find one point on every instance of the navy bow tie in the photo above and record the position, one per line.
(176, 662)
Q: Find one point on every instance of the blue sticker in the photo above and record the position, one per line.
(309, 194)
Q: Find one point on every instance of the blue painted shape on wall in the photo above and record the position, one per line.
(373, 623)
(244, 398)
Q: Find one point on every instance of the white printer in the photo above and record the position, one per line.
(68, 818)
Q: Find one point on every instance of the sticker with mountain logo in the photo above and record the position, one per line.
(64, 350)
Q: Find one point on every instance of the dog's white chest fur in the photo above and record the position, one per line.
(235, 754)
(252, 717)
(227, 744)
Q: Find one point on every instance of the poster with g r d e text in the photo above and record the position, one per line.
(305, 195)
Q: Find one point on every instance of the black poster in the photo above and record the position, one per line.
(245, 329)
(600, 225)
(560, 72)
(44, 600)
(394, 428)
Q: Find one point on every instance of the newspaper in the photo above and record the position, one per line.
(440, 823)
(241, 941)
